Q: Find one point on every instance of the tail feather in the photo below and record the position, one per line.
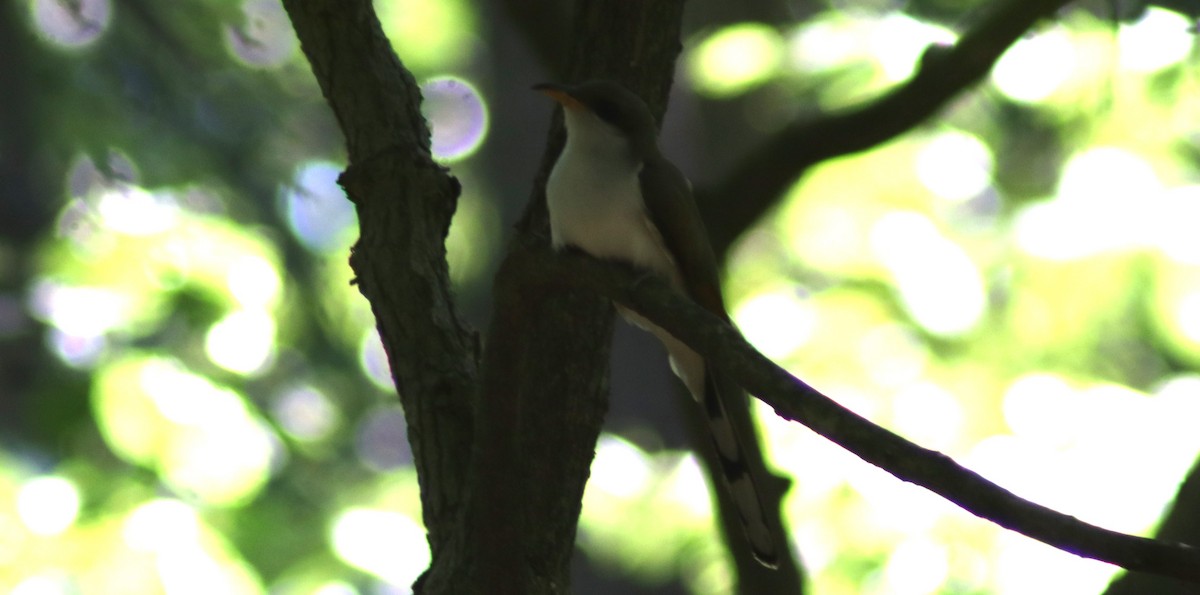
(707, 386)
(737, 474)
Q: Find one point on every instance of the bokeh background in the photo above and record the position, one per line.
(193, 398)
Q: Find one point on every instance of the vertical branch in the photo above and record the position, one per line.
(545, 387)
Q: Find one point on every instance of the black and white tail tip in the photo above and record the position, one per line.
(738, 479)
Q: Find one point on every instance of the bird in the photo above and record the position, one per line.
(612, 194)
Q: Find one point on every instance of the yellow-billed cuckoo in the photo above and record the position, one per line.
(613, 195)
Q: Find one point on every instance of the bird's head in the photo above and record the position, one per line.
(595, 106)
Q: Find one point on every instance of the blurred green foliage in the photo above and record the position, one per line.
(194, 399)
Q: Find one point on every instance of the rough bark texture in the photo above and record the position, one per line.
(545, 379)
(404, 202)
(501, 503)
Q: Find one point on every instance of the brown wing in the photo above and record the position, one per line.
(671, 208)
(669, 202)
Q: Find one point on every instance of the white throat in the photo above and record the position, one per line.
(594, 197)
(587, 133)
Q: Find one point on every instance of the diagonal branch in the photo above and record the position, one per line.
(797, 401)
(404, 201)
(762, 176)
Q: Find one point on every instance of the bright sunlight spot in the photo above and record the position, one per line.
(893, 355)
(1021, 466)
(242, 342)
(887, 505)
(1024, 566)
(956, 166)
(1037, 229)
(187, 399)
(337, 588)
(1187, 315)
(200, 437)
(736, 58)
(1035, 67)
(457, 115)
(1103, 199)
(895, 41)
(253, 281)
(79, 311)
(776, 323)
(384, 543)
(823, 43)
(917, 566)
(1159, 39)
(1176, 229)
(317, 210)
(1039, 407)
(217, 451)
(619, 468)
(938, 283)
(45, 584)
(130, 209)
(195, 571)
(664, 495)
(221, 468)
(929, 415)
(432, 35)
(161, 524)
(48, 505)
(190, 560)
(1107, 176)
(1069, 441)
(899, 41)
(686, 486)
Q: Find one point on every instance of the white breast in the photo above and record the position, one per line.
(595, 204)
(595, 201)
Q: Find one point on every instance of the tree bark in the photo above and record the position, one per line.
(404, 202)
(501, 481)
(545, 382)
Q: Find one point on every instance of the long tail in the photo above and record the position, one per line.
(707, 387)
(735, 471)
